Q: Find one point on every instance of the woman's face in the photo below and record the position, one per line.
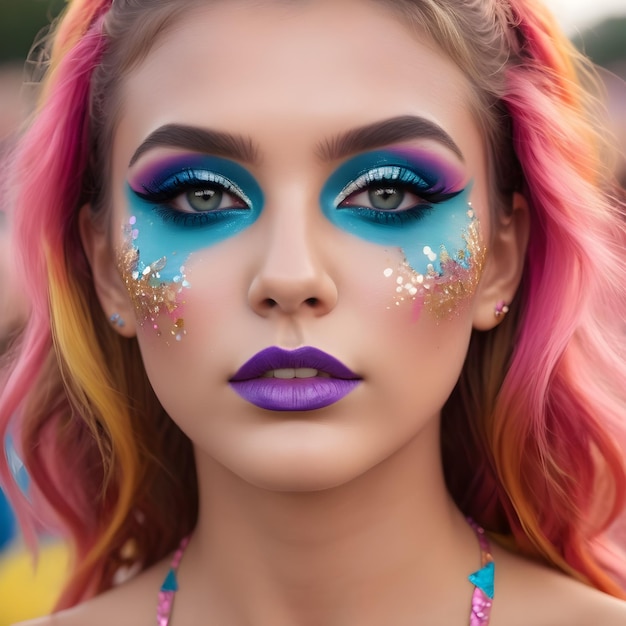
(300, 206)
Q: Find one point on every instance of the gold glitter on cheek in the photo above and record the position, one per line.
(157, 302)
(442, 293)
(410, 286)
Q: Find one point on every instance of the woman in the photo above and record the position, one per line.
(313, 283)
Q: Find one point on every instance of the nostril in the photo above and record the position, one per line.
(290, 306)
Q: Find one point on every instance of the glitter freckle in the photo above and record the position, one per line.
(179, 329)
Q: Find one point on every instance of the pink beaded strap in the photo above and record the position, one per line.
(170, 587)
(482, 598)
(483, 581)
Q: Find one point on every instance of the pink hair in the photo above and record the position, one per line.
(553, 446)
(558, 426)
(98, 447)
(51, 159)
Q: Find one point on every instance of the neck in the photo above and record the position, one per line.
(389, 538)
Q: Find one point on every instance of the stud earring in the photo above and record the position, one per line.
(117, 320)
(501, 309)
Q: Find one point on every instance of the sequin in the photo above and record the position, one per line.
(481, 603)
(483, 581)
(443, 292)
(170, 587)
(154, 299)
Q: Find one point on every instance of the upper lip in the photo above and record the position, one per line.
(275, 358)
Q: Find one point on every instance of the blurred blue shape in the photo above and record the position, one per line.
(7, 522)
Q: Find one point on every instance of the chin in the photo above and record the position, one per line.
(299, 478)
(304, 465)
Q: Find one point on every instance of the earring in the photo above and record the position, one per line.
(117, 320)
(501, 309)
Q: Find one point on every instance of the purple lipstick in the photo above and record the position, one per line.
(304, 379)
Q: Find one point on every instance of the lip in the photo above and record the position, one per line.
(294, 394)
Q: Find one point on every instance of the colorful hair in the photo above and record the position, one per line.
(533, 434)
(76, 397)
(547, 459)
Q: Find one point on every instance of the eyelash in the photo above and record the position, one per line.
(399, 178)
(162, 195)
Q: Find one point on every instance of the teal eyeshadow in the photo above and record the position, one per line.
(445, 224)
(155, 236)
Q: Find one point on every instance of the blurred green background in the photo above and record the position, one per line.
(21, 20)
(605, 43)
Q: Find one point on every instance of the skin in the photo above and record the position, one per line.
(337, 516)
(12, 304)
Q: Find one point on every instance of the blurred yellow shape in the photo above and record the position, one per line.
(25, 592)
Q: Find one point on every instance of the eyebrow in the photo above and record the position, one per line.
(383, 133)
(201, 140)
(242, 148)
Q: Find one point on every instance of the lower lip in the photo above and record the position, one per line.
(294, 394)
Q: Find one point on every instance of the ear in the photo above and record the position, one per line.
(504, 265)
(108, 283)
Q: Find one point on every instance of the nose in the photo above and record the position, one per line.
(292, 277)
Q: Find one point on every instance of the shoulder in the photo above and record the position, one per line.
(134, 602)
(531, 593)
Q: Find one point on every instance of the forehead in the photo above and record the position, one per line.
(249, 67)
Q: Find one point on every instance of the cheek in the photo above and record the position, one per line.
(156, 249)
(157, 285)
(440, 242)
(415, 363)
(442, 265)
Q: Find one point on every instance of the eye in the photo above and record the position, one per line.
(196, 191)
(207, 198)
(390, 188)
(384, 197)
